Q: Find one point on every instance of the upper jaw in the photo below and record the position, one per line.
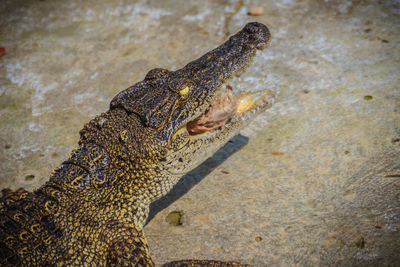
(218, 65)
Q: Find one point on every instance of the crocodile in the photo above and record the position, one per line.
(92, 210)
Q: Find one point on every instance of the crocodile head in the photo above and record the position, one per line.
(190, 113)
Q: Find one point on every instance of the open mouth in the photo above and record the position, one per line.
(227, 106)
(230, 60)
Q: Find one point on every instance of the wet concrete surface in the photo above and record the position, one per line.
(313, 181)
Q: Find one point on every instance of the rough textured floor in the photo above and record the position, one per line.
(314, 181)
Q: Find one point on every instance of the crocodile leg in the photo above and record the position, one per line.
(129, 248)
(203, 263)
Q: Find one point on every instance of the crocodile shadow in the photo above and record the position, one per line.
(189, 180)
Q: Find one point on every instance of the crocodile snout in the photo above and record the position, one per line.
(258, 34)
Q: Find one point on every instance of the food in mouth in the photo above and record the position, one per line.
(223, 108)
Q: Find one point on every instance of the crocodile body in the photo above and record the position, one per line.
(92, 210)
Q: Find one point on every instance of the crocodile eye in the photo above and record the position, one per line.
(184, 91)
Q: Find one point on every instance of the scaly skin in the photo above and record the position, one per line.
(92, 210)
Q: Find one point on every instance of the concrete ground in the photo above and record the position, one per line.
(313, 181)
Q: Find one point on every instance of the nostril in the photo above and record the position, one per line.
(258, 33)
(256, 27)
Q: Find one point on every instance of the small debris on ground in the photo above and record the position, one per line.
(377, 38)
(255, 11)
(395, 140)
(174, 218)
(360, 243)
(29, 177)
(277, 153)
(393, 175)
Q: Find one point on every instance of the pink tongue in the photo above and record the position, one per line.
(222, 109)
